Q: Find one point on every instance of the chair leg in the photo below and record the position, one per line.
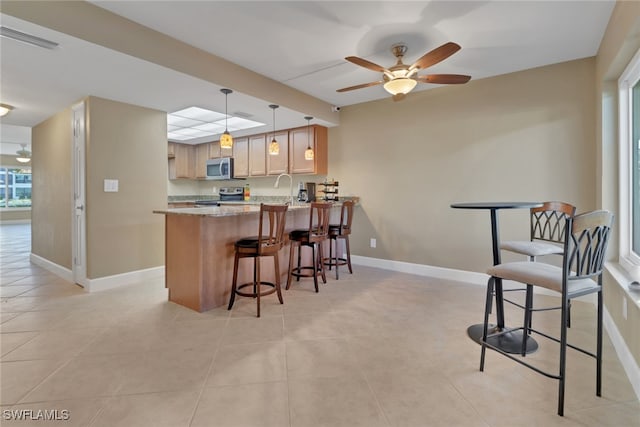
(334, 242)
(527, 319)
(257, 282)
(276, 261)
(485, 328)
(291, 245)
(255, 272)
(599, 347)
(232, 298)
(321, 262)
(314, 260)
(299, 260)
(331, 255)
(563, 356)
(346, 239)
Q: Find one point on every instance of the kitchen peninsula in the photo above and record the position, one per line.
(199, 250)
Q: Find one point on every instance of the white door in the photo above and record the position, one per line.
(79, 207)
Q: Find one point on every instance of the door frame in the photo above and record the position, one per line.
(78, 208)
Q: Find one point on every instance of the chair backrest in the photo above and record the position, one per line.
(346, 216)
(272, 240)
(549, 221)
(586, 244)
(319, 221)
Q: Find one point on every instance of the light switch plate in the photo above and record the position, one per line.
(110, 185)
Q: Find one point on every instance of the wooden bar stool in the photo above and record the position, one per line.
(313, 236)
(268, 242)
(341, 231)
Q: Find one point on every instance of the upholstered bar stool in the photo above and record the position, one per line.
(341, 231)
(313, 236)
(268, 242)
(583, 257)
(548, 223)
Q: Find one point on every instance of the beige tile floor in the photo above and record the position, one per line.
(376, 348)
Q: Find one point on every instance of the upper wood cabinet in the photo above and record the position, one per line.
(201, 155)
(171, 150)
(183, 164)
(257, 155)
(299, 139)
(241, 157)
(279, 163)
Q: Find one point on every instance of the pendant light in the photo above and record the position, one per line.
(274, 147)
(226, 141)
(4, 109)
(23, 155)
(308, 153)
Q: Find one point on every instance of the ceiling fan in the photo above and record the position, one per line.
(401, 78)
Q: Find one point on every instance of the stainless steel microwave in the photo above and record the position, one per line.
(221, 168)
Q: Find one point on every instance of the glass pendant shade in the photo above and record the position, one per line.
(274, 146)
(226, 140)
(308, 153)
(400, 85)
(23, 155)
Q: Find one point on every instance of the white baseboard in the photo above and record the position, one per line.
(101, 283)
(117, 280)
(54, 268)
(474, 278)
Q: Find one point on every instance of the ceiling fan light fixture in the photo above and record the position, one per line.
(274, 146)
(308, 153)
(23, 155)
(4, 109)
(226, 140)
(401, 85)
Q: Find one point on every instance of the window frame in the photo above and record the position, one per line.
(4, 207)
(628, 259)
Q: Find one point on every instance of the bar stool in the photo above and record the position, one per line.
(313, 236)
(548, 224)
(583, 257)
(341, 231)
(268, 242)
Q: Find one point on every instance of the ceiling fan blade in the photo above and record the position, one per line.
(366, 64)
(444, 79)
(436, 55)
(345, 89)
(399, 97)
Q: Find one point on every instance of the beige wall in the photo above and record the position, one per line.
(127, 143)
(521, 136)
(51, 189)
(620, 42)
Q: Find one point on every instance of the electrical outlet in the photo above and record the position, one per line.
(624, 307)
(372, 243)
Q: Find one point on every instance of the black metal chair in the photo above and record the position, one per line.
(268, 242)
(548, 224)
(583, 257)
(312, 236)
(341, 231)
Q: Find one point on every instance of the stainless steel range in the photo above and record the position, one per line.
(231, 194)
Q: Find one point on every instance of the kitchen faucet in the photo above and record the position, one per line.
(290, 184)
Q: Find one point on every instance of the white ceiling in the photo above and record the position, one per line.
(301, 44)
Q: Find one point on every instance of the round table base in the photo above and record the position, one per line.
(511, 342)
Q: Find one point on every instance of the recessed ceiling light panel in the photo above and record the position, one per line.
(196, 122)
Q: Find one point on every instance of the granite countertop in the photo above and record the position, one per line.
(225, 210)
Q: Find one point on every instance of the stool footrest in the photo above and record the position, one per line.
(297, 271)
(334, 261)
(271, 288)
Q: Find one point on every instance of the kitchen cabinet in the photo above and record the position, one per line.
(280, 163)
(241, 157)
(299, 139)
(171, 150)
(215, 152)
(201, 157)
(257, 155)
(183, 164)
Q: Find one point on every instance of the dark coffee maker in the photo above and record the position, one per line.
(302, 193)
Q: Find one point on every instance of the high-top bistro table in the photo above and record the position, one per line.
(510, 342)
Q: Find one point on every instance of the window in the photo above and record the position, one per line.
(629, 184)
(15, 187)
